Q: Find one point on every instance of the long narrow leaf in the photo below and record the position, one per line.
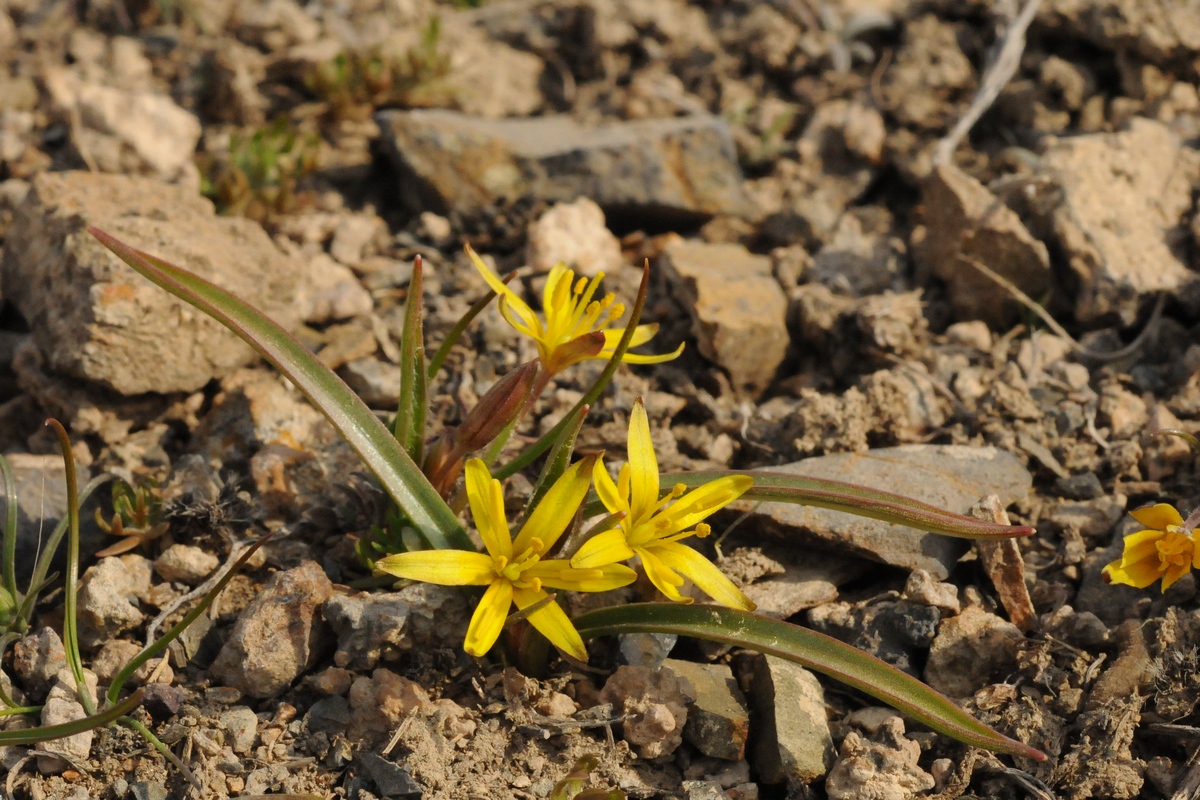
(409, 426)
(368, 436)
(51, 732)
(559, 459)
(810, 649)
(9, 555)
(851, 498)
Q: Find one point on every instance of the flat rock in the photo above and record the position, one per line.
(791, 741)
(963, 220)
(367, 625)
(951, 477)
(1118, 224)
(278, 636)
(969, 650)
(718, 723)
(94, 318)
(739, 311)
(684, 167)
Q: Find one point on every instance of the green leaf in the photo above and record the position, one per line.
(559, 459)
(851, 498)
(52, 732)
(810, 649)
(409, 426)
(9, 555)
(374, 444)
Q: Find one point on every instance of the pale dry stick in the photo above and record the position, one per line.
(170, 608)
(998, 74)
(1189, 787)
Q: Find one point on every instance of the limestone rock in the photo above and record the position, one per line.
(108, 600)
(62, 706)
(969, 650)
(791, 736)
(278, 636)
(654, 703)
(680, 167)
(739, 311)
(718, 723)
(883, 770)
(185, 563)
(94, 318)
(575, 234)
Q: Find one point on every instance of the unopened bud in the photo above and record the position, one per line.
(498, 407)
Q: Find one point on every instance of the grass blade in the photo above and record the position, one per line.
(810, 649)
(374, 444)
(409, 426)
(10, 531)
(51, 732)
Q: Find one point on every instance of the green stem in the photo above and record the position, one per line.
(10, 531)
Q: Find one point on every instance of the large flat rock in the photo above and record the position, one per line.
(94, 318)
(952, 477)
(673, 168)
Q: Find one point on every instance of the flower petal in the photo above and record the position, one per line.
(662, 576)
(638, 358)
(643, 465)
(522, 318)
(519, 306)
(557, 508)
(1139, 574)
(445, 567)
(702, 502)
(608, 547)
(641, 335)
(557, 573)
(1158, 516)
(1174, 573)
(607, 490)
(578, 349)
(488, 619)
(1141, 545)
(703, 573)
(553, 623)
(486, 496)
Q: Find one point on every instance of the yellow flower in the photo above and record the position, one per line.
(1167, 550)
(513, 569)
(652, 527)
(573, 319)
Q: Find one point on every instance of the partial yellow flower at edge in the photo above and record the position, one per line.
(572, 314)
(513, 568)
(1165, 550)
(653, 527)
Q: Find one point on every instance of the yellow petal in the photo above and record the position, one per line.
(488, 619)
(1141, 545)
(553, 623)
(641, 335)
(643, 465)
(1174, 573)
(703, 573)
(1139, 574)
(603, 548)
(638, 358)
(498, 286)
(662, 576)
(522, 318)
(1158, 517)
(702, 502)
(557, 573)
(486, 496)
(445, 567)
(557, 508)
(607, 491)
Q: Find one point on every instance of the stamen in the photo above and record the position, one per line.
(703, 530)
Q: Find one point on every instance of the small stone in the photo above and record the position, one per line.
(116, 653)
(185, 563)
(148, 790)
(332, 292)
(718, 723)
(348, 342)
(1085, 486)
(330, 714)
(645, 649)
(654, 703)
(37, 660)
(332, 680)
(375, 381)
(241, 728)
(883, 770)
(352, 235)
(367, 625)
(683, 166)
(162, 701)
(278, 636)
(379, 703)
(107, 602)
(703, 790)
(973, 333)
(62, 706)
(791, 738)
(556, 705)
(390, 778)
(738, 309)
(969, 649)
(861, 256)
(575, 234)
(434, 228)
(922, 588)
(1124, 412)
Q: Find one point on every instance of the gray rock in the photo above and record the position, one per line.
(162, 701)
(703, 790)
(783, 582)
(1118, 224)
(278, 636)
(951, 477)
(241, 728)
(366, 625)
(879, 770)
(375, 381)
(329, 714)
(108, 601)
(654, 704)
(645, 649)
(391, 779)
(896, 632)
(964, 220)
(718, 723)
(186, 564)
(62, 706)
(791, 734)
(739, 311)
(436, 614)
(1084, 486)
(37, 660)
(679, 167)
(148, 790)
(969, 650)
(42, 503)
(94, 318)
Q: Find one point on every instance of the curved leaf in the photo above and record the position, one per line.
(51, 732)
(378, 449)
(813, 650)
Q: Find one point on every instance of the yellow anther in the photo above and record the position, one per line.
(702, 530)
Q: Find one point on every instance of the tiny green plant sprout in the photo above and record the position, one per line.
(641, 514)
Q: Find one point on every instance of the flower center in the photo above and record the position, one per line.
(513, 569)
(1175, 549)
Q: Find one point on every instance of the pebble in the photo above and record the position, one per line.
(116, 653)
(972, 333)
(375, 381)
(791, 738)
(332, 293)
(878, 770)
(1084, 486)
(574, 234)
(241, 728)
(969, 650)
(148, 790)
(922, 588)
(655, 705)
(645, 649)
(107, 601)
(38, 657)
(185, 563)
(390, 778)
(718, 723)
(352, 235)
(367, 625)
(162, 701)
(381, 702)
(330, 714)
(278, 636)
(62, 706)
(703, 790)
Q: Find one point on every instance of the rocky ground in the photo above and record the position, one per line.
(828, 267)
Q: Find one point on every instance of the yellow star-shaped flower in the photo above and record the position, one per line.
(513, 569)
(652, 527)
(1166, 550)
(573, 319)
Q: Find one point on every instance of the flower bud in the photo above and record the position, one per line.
(496, 410)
